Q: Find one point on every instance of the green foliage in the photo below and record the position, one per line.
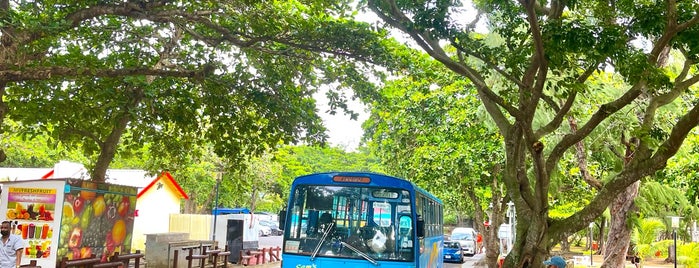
(687, 255)
(25, 151)
(297, 161)
(109, 78)
(645, 235)
(427, 128)
(646, 232)
(683, 172)
(661, 201)
(686, 252)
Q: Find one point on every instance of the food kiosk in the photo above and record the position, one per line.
(71, 218)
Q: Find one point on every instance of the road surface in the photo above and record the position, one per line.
(276, 241)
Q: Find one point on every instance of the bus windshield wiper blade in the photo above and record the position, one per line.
(360, 253)
(322, 239)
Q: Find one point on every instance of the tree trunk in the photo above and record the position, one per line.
(565, 245)
(253, 199)
(531, 247)
(490, 234)
(189, 203)
(204, 209)
(601, 239)
(495, 215)
(108, 148)
(619, 231)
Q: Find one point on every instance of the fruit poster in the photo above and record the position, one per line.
(97, 218)
(32, 209)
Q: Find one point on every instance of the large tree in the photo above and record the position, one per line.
(113, 75)
(426, 127)
(569, 41)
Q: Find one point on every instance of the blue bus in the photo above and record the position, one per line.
(350, 219)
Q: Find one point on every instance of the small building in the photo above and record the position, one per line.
(154, 205)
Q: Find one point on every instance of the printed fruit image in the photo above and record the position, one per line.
(85, 252)
(78, 205)
(111, 212)
(119, 232)
(11, 215)
(123, 206)
(99, 206)
(76, 238)
(86, 217)
(88, 195)
(68, 212)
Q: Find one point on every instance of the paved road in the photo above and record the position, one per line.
(274, 241)
(469, 262)
(271, 241)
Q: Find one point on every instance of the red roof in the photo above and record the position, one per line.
(167, 176)
(47, 175)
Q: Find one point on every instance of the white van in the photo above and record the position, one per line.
(466, 238)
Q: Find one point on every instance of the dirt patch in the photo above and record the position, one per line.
(657, 262)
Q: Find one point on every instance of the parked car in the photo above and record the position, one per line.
(452, 252)
(264, 230)
(274, 228)
(467, 238)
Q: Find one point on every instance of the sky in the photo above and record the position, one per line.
(343, 131)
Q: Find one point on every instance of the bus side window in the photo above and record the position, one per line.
(420, 227)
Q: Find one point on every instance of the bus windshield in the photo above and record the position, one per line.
(350, 222)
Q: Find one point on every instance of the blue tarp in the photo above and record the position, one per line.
(224, 211)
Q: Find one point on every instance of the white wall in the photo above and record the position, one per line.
(154, 209)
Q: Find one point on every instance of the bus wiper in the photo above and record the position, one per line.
(322, 239)
(360, 253)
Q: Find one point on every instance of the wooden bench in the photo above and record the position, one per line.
(274, 254)
(116, 260)
(86, 262)
(108, 265)
(204, 256)
(191, 257)
(218, 253)
(126, 258)
(251, 257)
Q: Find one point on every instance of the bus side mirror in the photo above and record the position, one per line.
(282, 219)
(420, 227)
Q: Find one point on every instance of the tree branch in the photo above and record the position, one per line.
(539, 56)
(489, 63)
(558, 118)
(602, 113)
(560, 113)
(44, 73)
(677, 136)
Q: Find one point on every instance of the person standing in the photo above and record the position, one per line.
(12, 247)
(479, 243)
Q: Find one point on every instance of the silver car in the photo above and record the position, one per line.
(466, 238)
